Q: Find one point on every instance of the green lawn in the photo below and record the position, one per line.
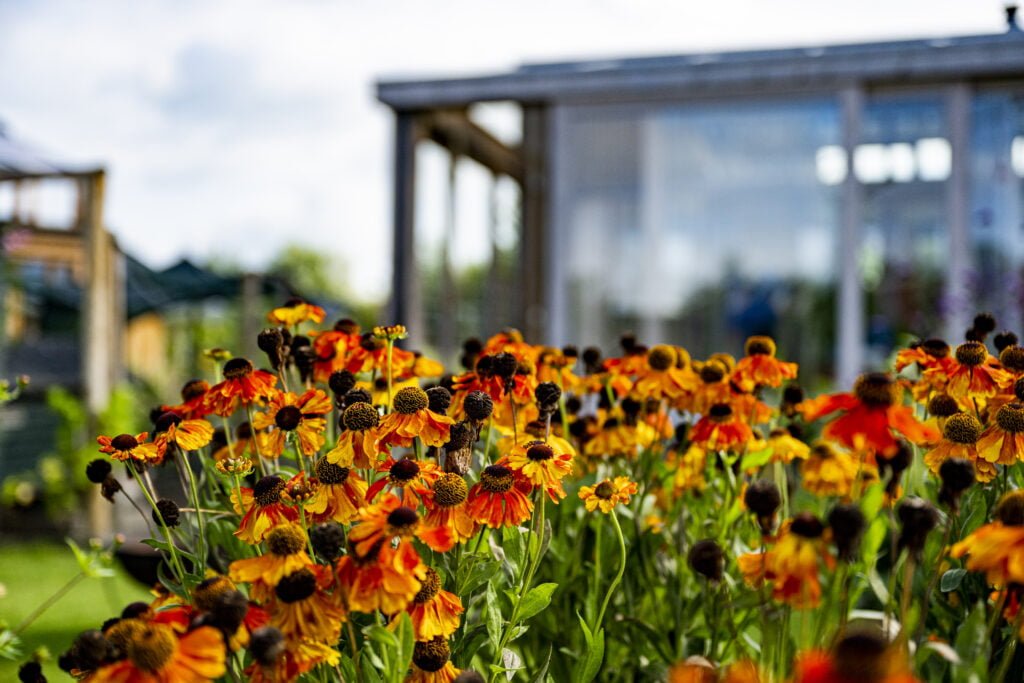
(32, 572)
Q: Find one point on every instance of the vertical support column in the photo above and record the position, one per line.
(447, 340)
(850, 304)
(99, 324)
(957, 294)
(406, 304)
(252, 314)
(535, 240)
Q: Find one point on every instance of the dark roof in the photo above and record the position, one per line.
(21, 160)
(965, 57)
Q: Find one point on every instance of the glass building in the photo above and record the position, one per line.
(837, 198)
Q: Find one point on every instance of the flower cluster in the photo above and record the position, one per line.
(350, 510)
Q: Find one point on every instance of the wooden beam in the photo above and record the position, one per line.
(455, 131)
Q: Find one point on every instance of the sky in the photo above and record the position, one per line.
(232, 128)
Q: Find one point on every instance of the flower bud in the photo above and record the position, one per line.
(707, 559)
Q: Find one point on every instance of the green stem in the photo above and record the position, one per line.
(58, 594)
(1011, 648)
(200, 523)
(176, 565)
(391, 346)
(618, 576)
(525, 588)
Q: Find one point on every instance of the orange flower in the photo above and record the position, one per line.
(242, 385)
(188, 435)
(998, 548)
(332, 348)
(430, 662)
(286, 545)
(415, 478)
(296, 311)
(357, 445)
(829, 471)
(858, 657)
(261, 509)
(155, 654)
(607, 494)
(301, 609)
(383, 521)
(386, 579)
(298, 658)
(434, 611)
(721, 429)
(500, 498)
(446, 507)
(1003, 441)
(792, 564)
(412, 418)
(541, 466)
(615, 438)
(663, 376)
(128, 447)
(870, 416)
(960, 440)
(339, 495)
(974, 372)
(760, 367)
(193, 400)
(786, 447)
(287, 413)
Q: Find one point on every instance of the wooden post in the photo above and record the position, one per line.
(100, 327)
(406, 301)
(534, 237)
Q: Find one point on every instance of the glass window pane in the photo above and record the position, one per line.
(997, 205)
(702, 224)
(905, 162)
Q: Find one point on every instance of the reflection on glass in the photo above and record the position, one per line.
(704, 224)
(996, 280)
(903, 162)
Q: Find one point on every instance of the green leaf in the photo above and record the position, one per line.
(542, 672)
(878, 586)
(755, 460)
(591, 664)
(951, 580)
(381, 635)
(587, 635)
(404, 635)
(494, 618)
(536, 600)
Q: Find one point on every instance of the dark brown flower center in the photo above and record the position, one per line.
(450, 490)
(1012, 358)
(496, 479)
(943, 405)
(194, 389)
(971, 353)
(604, 490)
(411, 400)
(296, 586)
(288, 418)
(807, 525)
(151, 647)
(962, 428)
(539, 451)
(403, 521)
(661, 357)
(876, 389)
(720, 412)
(360, 417)
(329, 473)
(237, 368)
(286, 539)
(430, 587)
(404, 471)
(267, 490)
(431, 655)
(1010, 418)
(124, 442)
(760, 346)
